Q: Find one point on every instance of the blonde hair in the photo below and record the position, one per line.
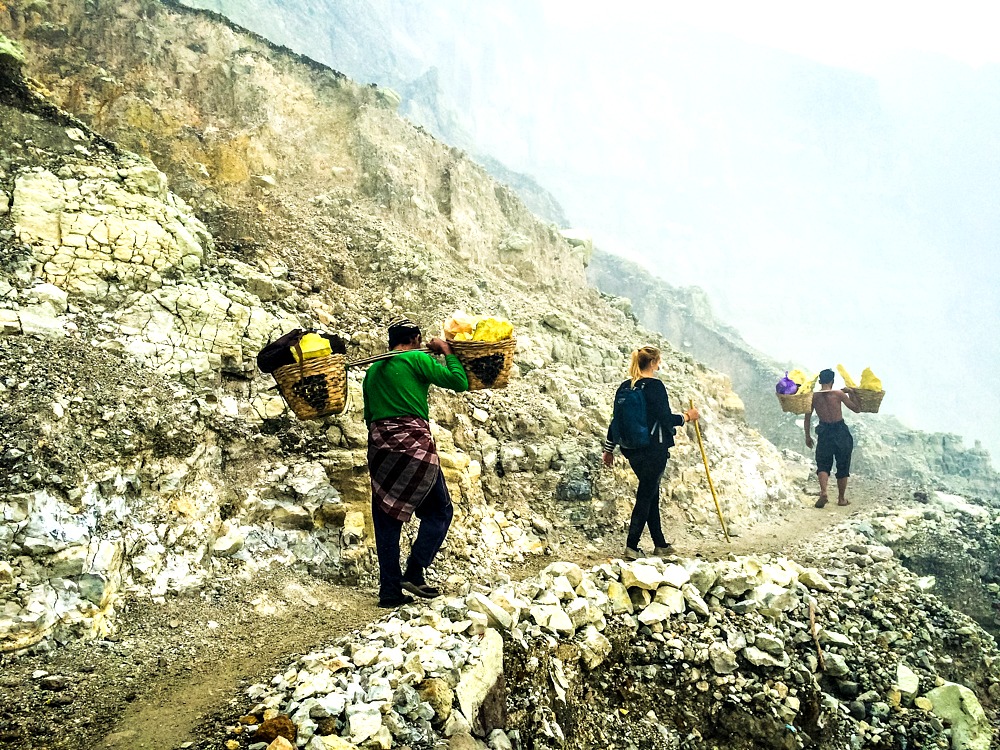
(641, 359)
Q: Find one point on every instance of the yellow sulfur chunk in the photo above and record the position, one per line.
(869, 382)
(491, 329)
(848, 380)
(803, 379)
(312, 345)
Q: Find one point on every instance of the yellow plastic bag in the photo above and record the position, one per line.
(869, 382)
(848, 380)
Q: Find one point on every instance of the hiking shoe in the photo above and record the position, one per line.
(395, 601)
(632, 554)
(422, 590)
(822, 501)
(666, 551)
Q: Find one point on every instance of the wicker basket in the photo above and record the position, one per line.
(486, 363)
(796, 403)
(869, 400)
(314, 388)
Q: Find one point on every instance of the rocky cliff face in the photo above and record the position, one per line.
(884, 447)
(255, 191)
(358, 39)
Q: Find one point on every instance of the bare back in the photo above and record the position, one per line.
(827, 405)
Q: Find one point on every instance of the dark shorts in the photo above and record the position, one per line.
(834, 441)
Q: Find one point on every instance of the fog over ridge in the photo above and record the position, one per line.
(833, 214)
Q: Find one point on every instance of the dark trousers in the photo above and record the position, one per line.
(435, 514)
(648, 466)
(834, 441)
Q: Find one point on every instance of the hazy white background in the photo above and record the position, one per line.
(828, 172)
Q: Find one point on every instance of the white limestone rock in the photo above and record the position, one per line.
(478, 678)
(907, 682)
(656, 612)
(640, 575)
(363, 721)
(671, 598)
(836, 665)
(694, 601)
(956, 704)
(619, 599)
(675, 575)
(229, 544)
(761, 658)
(814, 580)
(497, 616)
(595, 647)
(722, 658)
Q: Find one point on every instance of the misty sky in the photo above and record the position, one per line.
(829, 173)
(831, 178)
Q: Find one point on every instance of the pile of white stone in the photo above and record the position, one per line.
(730, 630)
(394, 680)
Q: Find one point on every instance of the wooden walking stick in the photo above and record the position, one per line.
(711, 486)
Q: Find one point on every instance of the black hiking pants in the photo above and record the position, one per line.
(648, 465)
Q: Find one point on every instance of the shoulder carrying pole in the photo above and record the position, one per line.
(384, 355)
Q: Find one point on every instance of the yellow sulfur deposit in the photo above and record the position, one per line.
(464, 327)
(869, 382)
(312, 345)
(848, 380)
(492, 329)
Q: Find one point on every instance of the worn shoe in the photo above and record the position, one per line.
(821, 502)
(663, 551)
(632, 554)
(395, 601)
(423, 590)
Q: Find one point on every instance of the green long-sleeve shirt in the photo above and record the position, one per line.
(397, 387)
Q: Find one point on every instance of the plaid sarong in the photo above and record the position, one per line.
(403, 462)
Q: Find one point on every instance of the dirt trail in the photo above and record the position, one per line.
(253, 648)
(174, 672)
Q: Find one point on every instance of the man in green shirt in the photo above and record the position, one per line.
(403, 461)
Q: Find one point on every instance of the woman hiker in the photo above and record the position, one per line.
(649, 461)
(403, 461)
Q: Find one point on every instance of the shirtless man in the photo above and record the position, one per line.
(834, 440)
